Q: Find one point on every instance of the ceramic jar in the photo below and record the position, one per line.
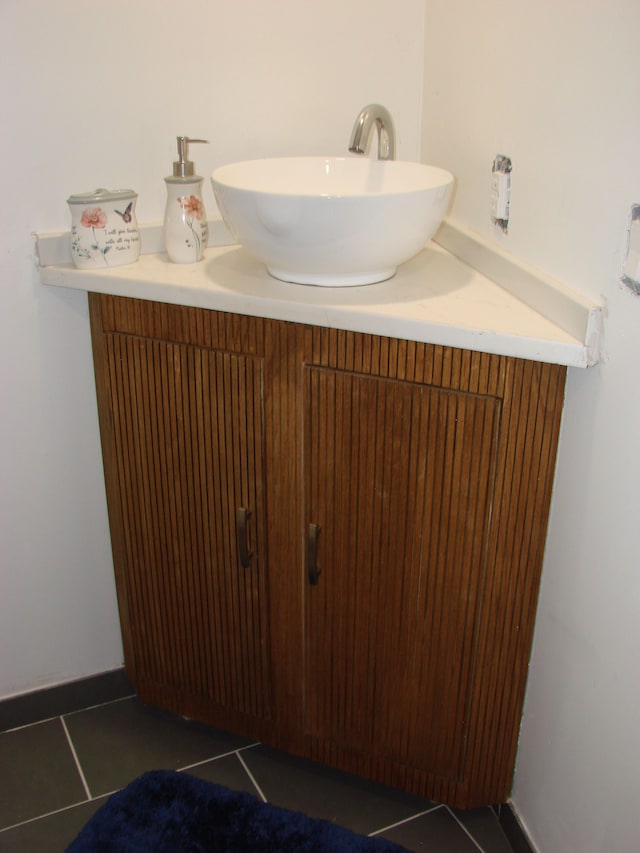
(104, 230)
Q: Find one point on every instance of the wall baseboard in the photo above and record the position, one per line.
(512, 828)
(63, 699)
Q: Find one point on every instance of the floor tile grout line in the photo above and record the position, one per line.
(405, 820)
(49, 814)
(463, 827)
(76, 759)
(252, 777)
(108, 794)
(67, 714)
(29, 725)
(101, 704)
(216, 757)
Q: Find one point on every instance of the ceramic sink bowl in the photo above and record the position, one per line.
(334, 221)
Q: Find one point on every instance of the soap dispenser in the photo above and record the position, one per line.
(186, 231)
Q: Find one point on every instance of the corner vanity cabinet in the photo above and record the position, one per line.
(329, 541)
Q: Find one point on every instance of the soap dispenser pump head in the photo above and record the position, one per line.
(183, 167)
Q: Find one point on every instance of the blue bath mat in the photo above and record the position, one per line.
(168, 812)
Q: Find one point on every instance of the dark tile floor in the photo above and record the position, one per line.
(57, 772)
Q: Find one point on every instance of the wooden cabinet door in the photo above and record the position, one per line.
(404, 489)
(184, 469)
(398, 482)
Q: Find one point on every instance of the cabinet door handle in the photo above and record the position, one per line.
(243, 515)
(312, 553)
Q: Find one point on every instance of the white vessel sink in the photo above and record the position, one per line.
(334, 221)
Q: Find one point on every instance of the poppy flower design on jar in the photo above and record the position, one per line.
(104, 230)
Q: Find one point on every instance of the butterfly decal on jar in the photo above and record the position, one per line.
(126, 216)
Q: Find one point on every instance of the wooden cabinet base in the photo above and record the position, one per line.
(328, 541)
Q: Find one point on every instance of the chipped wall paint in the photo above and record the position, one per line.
(501, 192)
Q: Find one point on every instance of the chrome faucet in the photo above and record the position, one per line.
(361, 133)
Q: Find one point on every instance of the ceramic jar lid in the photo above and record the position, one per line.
(101, 195)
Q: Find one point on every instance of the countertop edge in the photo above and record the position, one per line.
(578, 315)
(575, 315)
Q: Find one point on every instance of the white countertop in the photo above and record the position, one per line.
(437, 297)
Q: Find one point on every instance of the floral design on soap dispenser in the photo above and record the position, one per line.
(193, 208)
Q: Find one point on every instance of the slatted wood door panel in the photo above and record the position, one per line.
(188, 445)
(428, 471)
(398, 477)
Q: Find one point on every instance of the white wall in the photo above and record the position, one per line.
(554, 85)
(94, 95)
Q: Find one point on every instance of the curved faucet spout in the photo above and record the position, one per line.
(374, 114)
